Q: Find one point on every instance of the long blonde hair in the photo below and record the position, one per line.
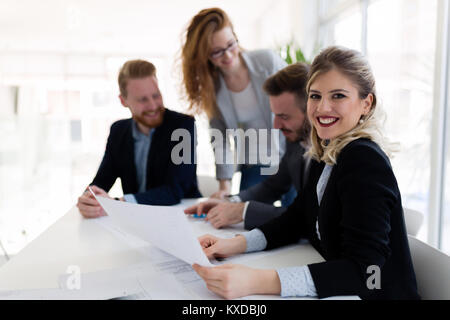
(352, 64)
(200, 77)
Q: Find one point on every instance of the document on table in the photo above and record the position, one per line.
(46, 294)
(138, 282)
(109, 224)
(164, 227)
(163, 276)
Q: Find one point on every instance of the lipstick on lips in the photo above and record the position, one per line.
(327, 121)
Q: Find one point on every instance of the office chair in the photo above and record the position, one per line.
(413, 220)
(432, 270)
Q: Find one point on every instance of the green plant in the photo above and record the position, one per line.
(291, 51)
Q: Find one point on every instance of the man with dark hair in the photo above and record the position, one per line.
(254, 206)
(139, 150)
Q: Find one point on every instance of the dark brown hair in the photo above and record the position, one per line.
(292, 79)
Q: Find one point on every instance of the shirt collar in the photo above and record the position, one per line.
(138, 135)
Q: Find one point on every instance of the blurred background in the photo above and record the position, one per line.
(59, 61)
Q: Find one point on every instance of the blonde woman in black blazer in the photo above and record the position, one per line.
(350, 209)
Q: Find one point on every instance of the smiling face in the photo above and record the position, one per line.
(334, 106)
(288, 116)
(224, 52)
(145, 102)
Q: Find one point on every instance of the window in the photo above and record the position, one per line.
(347, 29)
(401, 49)
(341, 24)
(445, 232)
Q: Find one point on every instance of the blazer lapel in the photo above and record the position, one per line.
(226, 107)
(154, 149)
(316, 169)
(159, 144)
(128, 158)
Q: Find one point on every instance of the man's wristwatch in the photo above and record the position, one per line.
(234, 198)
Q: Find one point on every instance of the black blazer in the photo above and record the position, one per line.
(291, 172)
(167, 183)
(360, 222)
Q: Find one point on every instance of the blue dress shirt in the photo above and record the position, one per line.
(142, 144)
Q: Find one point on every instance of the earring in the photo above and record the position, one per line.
(361, 121)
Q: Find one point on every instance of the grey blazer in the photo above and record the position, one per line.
(292, 171)
(261, 64)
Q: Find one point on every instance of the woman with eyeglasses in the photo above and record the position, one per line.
(225, 82)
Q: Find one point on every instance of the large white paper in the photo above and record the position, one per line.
(95, 286)
(138, 282)
(45, 294)
(164, 227)
(132, 241)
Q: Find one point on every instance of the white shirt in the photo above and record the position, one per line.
(249, 116)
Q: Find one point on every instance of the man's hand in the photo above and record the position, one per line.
(225, 214)
(203, 207)
(88, 206)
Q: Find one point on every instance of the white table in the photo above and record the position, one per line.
(74, 240)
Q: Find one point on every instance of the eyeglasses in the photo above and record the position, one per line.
(219, 53)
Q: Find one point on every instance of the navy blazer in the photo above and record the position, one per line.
(291, 172)
(361, 223)
(167, 183)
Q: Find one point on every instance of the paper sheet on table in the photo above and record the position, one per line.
(135, 282)
(132, 241)
(97, 290)
(164, 227)
(43, 294)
